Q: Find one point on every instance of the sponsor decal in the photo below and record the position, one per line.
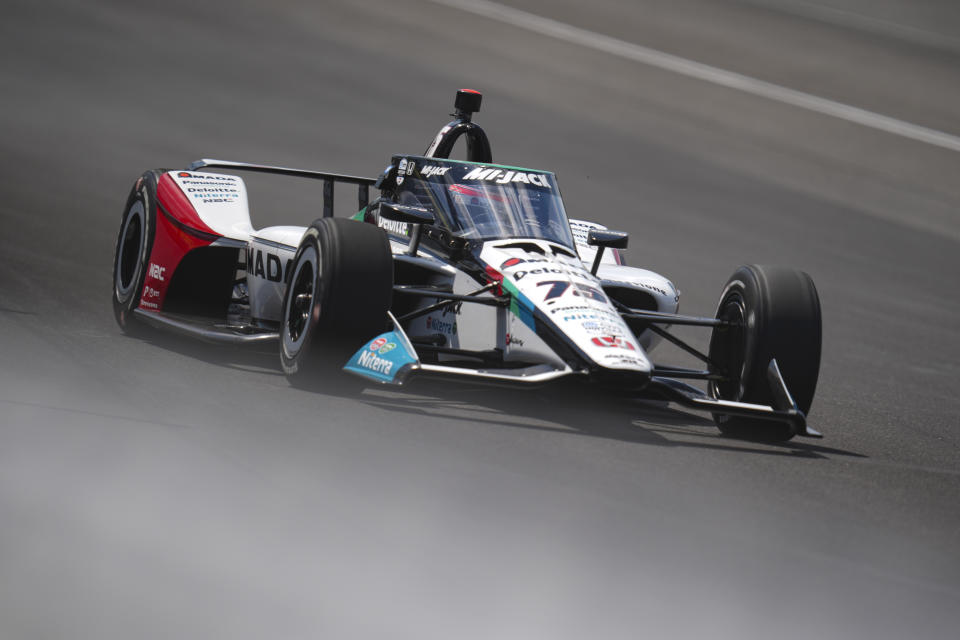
(156, 272)
(373, 362)
(401, 170)
(574, 307)
(623, 359)
(149, 305)
(387, 348)
(614, 341)
(452, 309)
(587, 309)
(399, 228)
(149, 292)
(644, 285)
(555, 269)
(601, 328)
(519, 275)
(430, 170)
(411, 165)
(574, 269)
(200, 190)
(382, 359)
(559, 287)
(514, 340)
(501, 176)
(209, 188)
(442, 326)
(267, 265)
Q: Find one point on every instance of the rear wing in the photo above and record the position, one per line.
(329, 179)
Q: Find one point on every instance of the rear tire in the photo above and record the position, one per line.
(138, 227)
(778, 314)
(337, 297)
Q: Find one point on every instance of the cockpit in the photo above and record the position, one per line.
(478, 201)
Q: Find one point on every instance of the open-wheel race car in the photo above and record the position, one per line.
(459, 269)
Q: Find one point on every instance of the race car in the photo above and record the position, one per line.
(462, 270)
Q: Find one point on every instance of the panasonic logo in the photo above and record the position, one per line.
(499, 176)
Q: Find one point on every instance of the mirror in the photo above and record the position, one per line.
(603, 238)
(607, 238)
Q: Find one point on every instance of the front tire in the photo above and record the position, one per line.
(775, 313)
(138, 227)
(337, 297)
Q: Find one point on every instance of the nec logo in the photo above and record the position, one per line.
(156, 271)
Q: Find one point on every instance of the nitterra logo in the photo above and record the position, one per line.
(372, 361)
(156, 271)
(499, 176)
(441, 326)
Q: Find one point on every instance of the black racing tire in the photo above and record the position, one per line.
(138, 227)
(776, 311)
(339, 291)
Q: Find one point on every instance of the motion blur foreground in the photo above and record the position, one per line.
(161, 489)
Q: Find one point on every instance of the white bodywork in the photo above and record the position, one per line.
(544, 279)
(269, 257)
(220, 201)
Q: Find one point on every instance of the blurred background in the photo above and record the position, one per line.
(164, 489)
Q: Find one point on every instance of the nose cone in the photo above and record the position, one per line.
(559, 291)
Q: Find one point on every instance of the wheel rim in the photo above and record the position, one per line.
(130, 250)
(300, 301)
(730, 353)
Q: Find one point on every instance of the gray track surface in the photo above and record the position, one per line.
(162, 489)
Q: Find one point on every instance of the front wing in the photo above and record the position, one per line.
(391, 358)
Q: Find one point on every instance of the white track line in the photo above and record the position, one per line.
(689, 68)
(860, 22)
